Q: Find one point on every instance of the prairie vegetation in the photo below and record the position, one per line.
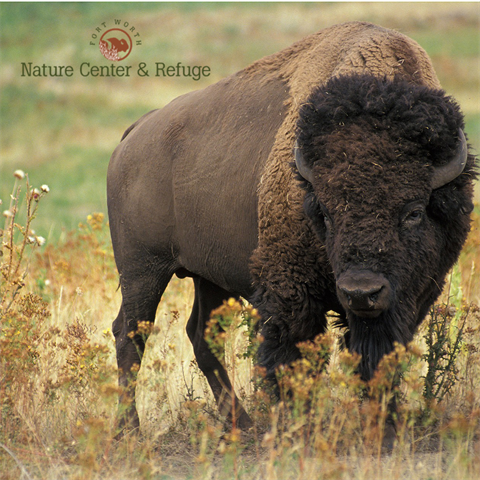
(58, 283)
(59, 391)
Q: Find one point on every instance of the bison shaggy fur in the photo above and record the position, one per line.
(318, 178)
(372, 144)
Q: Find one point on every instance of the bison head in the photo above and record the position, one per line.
(389, 187)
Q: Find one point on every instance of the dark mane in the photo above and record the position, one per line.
(426, 117)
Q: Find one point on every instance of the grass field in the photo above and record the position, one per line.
(63, 130)
(58, 390)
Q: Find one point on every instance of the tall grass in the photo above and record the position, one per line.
(59, 391)
(65, 129)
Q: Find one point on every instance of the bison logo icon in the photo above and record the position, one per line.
(115, 44)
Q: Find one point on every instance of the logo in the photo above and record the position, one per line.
(115, 44)
(116, 39)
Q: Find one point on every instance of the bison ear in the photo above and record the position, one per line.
(303, 169)
(454, 168)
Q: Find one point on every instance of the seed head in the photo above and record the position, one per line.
(451, 311)
(7, 214)
(40, 240)
(45, 188)
(36, 194)
(20, 174)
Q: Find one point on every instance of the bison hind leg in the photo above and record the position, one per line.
(208, 297)
(141, 294)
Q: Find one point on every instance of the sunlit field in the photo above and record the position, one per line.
(59, 286)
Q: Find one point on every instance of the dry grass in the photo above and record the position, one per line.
(59, 392)
(63, 130)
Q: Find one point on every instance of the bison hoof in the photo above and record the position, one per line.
(129, 424)
(244, 422)
(127, 431)
(390, 437)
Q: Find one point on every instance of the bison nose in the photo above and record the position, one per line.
(363, 292)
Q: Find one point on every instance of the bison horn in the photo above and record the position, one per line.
(303, 169)
(454, 168)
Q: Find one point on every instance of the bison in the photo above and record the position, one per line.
(333, 175)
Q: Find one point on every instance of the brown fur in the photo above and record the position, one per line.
(342, 49)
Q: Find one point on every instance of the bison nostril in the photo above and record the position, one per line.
(373, 297)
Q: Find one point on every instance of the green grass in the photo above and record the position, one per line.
(455, 43)
(62, 131)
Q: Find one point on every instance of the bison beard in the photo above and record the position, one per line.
(375, 339)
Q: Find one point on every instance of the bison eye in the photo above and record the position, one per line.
(412, 214)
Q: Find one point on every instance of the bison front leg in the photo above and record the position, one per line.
(276, 349)
(284, 324)
(373, 344)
